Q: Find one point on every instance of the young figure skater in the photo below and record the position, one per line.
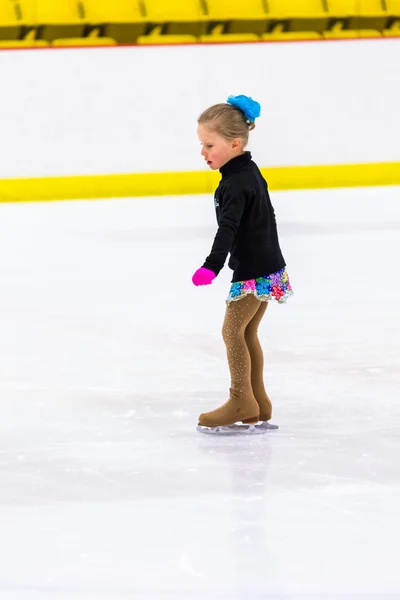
(247, 230)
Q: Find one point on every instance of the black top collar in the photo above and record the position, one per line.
(235, 164)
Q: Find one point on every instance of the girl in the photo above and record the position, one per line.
(247, 230)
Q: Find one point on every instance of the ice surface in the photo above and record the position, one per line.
(108, 353)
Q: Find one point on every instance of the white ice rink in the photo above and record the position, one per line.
(108, 353)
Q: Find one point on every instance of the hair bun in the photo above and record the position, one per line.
(249, 107)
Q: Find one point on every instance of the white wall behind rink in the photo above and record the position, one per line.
(117, 110)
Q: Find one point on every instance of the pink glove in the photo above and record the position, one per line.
(203, 276)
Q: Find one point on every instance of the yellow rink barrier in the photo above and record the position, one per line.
(195, 182)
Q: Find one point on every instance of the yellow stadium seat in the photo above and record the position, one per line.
(24, 44)
(161, 11)
(355, 8)
(60, 18)
(371, 8)
(113, 11)
(359, 14)
(243, 16)
(351, 34)
(300, 15)
(229, 38)
(393, 8)
(226, 10)
(60, 12)
(287, 36)
(123, 20)
(293, 9)
(337, 33)
(154, 40)
(393, 32)
(84, 42)
(28, 11)
(180, 16)
(393, 24)
(10, 20)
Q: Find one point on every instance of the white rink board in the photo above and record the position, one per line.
(129, 110)
(107, 356)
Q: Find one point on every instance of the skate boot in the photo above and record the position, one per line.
(240, 407)
(265, 406)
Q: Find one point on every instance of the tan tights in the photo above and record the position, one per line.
(248, 400)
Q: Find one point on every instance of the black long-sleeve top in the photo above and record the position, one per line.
(246, 223)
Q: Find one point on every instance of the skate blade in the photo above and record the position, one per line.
(267, 426)
(236, 429)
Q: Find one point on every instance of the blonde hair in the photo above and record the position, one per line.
(228, 121)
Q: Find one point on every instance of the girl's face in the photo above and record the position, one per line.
(217, 150)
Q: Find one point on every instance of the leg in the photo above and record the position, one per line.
(257, 364)
(241, 404)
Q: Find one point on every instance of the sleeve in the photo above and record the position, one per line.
(232, 208)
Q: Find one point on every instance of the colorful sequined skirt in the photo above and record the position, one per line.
(271, 287)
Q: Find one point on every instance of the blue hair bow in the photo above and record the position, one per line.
(247, 105)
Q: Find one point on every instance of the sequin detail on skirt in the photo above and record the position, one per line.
(271, 287)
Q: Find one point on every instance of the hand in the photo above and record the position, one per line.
(203, 276)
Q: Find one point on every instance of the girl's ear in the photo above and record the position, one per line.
(236, 144)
